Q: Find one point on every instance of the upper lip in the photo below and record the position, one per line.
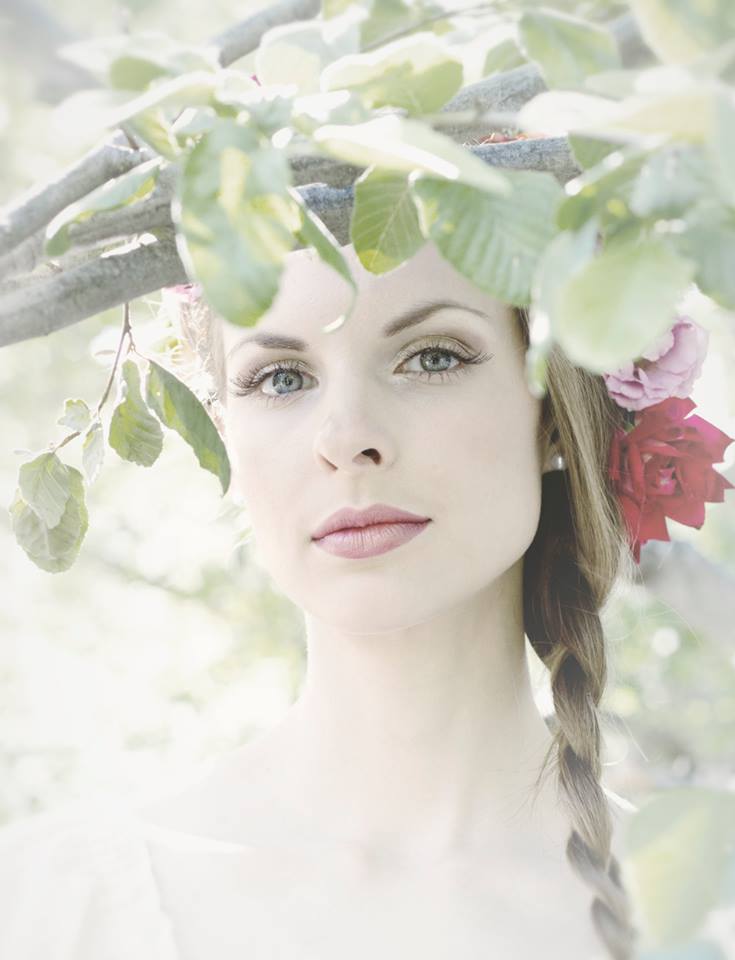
(376, 513)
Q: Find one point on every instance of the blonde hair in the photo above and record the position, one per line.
(577, 555)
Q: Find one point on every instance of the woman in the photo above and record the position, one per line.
(403, 807)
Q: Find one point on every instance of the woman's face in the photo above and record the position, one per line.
(363, 420)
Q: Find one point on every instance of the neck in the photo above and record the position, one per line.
(423, 741)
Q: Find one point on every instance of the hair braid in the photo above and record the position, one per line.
(569, 569)
(562, 609)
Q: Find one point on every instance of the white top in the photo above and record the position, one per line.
(79, 885)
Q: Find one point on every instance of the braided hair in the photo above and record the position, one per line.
(577, 554)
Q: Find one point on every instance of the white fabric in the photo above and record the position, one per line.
(79, 885)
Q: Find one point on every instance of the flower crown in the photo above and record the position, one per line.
(660, 464)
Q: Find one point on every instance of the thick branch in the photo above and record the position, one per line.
(552, 154)
(33, 306)
(87, 290)
(500, 94)
(244, 37)
(21, 234)
(506, 93)
(38, 206)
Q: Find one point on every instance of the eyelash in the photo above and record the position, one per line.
(249, 382)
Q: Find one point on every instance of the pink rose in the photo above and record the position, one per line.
(667, 369)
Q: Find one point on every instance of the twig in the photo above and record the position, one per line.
(127, 331)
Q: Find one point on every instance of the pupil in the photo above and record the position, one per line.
(437, 353)
(288, 374)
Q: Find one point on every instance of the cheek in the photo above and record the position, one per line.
(487, 483)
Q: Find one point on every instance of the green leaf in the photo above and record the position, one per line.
(315, 109)
(181, 410)
(708, 238)
(680, 31)
(134, 73)
(404, 144)
(332, 8)
(188, 90)
(77, 415)
(384, 228)
(55, 548)
(502, 56)
(154, 129)
(296, 53)
(313, 233)
(683, 109)
(589, 151)
(135, 434)
(566, 48)
(495, 241)
(388, 17)
(564, 257)
(235, 220)
(133, 185)
(603, 191)
(677, 858)
(670, 182)
(616, 305)
(133, 61)
(567, 253)
(45, 485)
(415, 73)
(93, 451)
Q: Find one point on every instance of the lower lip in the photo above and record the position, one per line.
(370, 541)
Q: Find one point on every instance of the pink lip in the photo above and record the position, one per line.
(370, 540)
(349, 518)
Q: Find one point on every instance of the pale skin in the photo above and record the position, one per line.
(389, 814)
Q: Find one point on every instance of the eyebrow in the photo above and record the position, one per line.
(409, 318)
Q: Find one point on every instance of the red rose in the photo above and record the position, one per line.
(662, 467)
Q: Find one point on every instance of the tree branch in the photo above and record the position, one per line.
(87, 290)
(36, 305)
(244, 37)
(506, 93)
(326, 185)
(38, 206)
(502, 93)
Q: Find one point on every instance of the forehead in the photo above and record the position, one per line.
(312, 294)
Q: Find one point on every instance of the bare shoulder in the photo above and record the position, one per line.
(227, 798)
